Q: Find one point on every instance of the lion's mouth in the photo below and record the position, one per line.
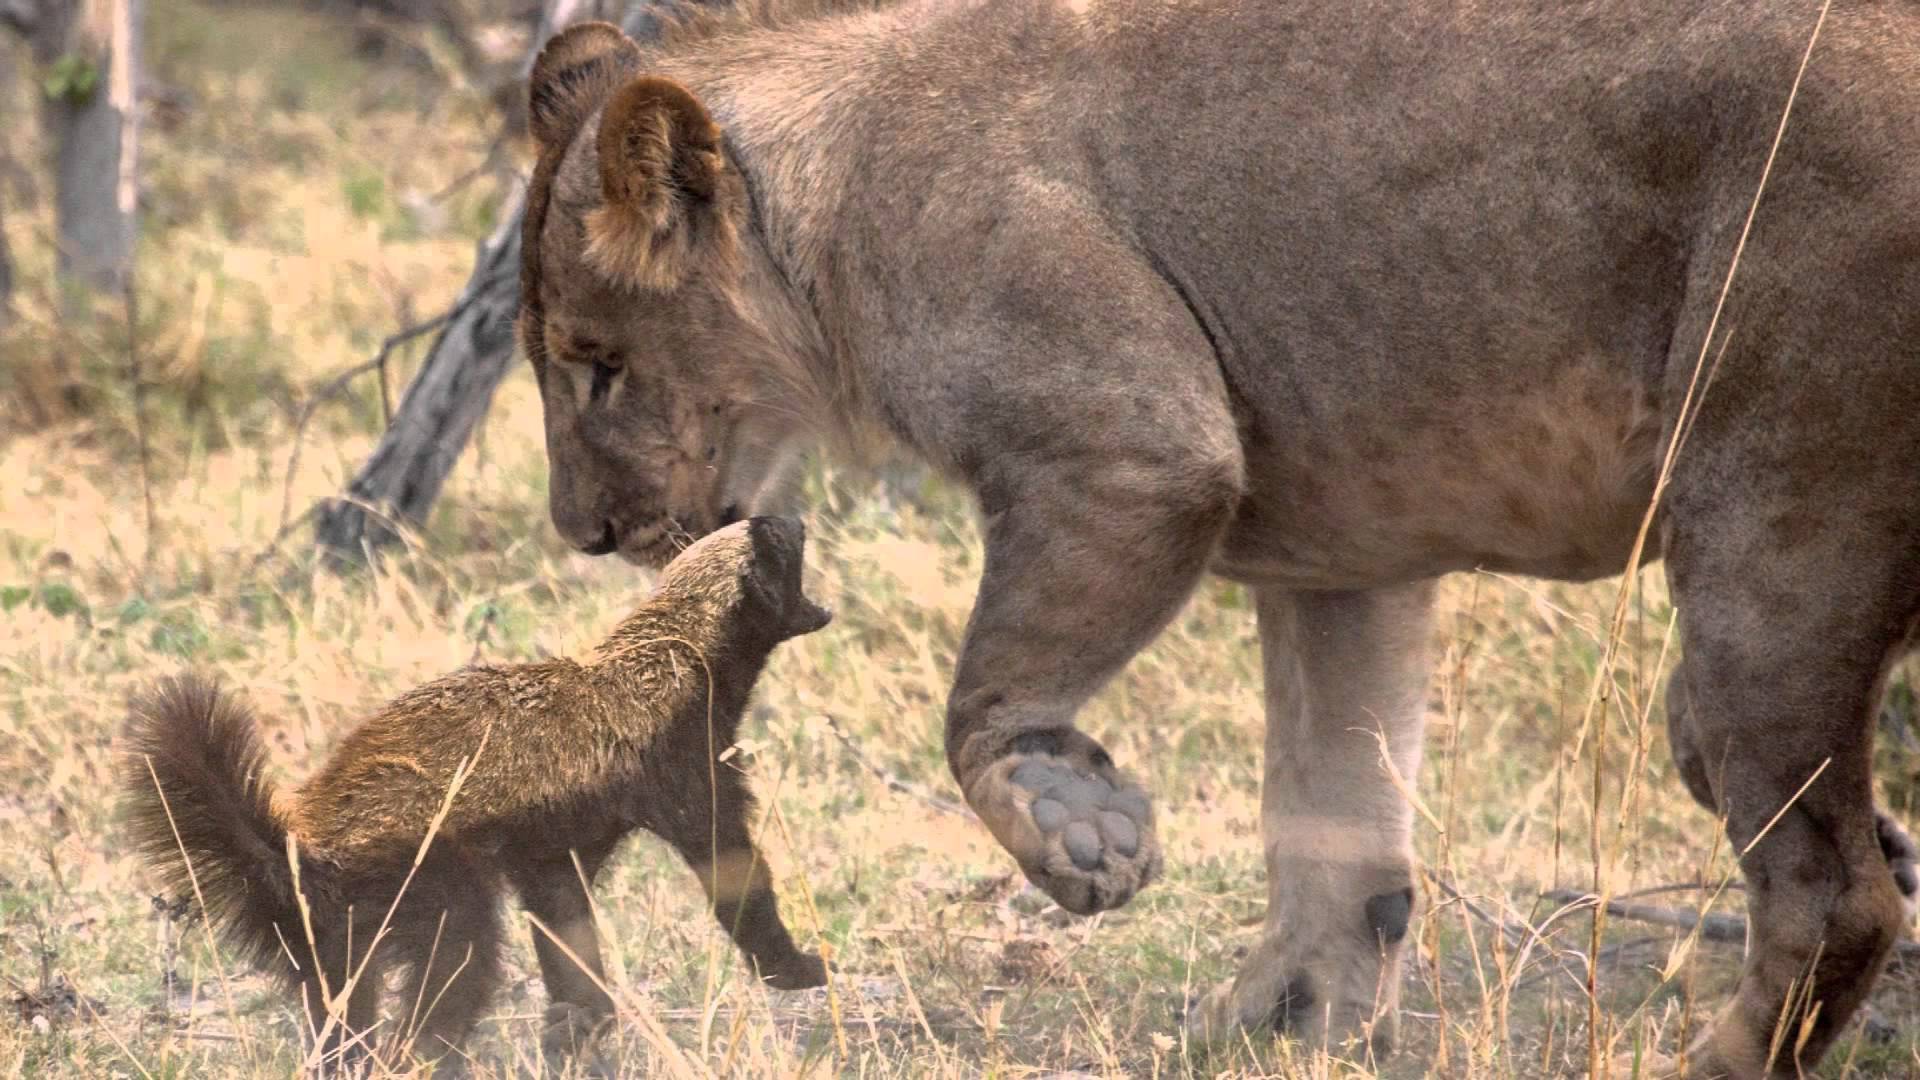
(654, 546)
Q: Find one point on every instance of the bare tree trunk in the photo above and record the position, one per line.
(15, 15)
(6, 272)
(443, 403)
(88, 49)
(450, 393)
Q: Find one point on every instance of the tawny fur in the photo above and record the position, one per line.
(574, 76)
(1330, 300)
(668, 188)
(562, 760)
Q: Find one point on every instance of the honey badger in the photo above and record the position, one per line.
(564, 759)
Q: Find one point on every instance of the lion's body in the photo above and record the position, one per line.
(1332, 300)
(1451, 268)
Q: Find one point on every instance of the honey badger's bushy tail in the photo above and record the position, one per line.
(200, 810)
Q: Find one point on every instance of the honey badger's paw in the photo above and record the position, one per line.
(1080, 828)
(799, 971)
(570, 1029)
(1900, 852)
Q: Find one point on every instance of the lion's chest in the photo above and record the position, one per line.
(1551, 480)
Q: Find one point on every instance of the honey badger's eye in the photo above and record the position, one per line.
(602, 379)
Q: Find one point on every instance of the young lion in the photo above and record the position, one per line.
(562, 759)
(1330, 300)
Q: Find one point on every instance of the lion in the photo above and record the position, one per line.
(1331, 301)
(551, 765)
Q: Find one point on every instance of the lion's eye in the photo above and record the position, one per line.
(602, 379)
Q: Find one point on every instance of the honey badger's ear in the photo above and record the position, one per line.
(668, 193)
(573, 74)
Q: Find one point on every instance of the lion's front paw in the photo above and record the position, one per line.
(1079, 827)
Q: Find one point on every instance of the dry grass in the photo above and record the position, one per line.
(279, 251)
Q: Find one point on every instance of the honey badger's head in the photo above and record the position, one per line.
(752, 567)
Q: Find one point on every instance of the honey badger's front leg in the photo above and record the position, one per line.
(1101, 513)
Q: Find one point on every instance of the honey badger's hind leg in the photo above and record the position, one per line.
(554, 892)
(447, 934)
(347, 1031)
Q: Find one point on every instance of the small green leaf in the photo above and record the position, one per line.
(72, 78)
(61, 599)
(482, 617)
(366, 193)
(181, 634)
(12, 596)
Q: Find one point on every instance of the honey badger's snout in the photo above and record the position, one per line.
(779, 544)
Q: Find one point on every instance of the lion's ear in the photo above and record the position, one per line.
(573, 74)
(665, 184)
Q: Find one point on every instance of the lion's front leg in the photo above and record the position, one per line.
(1344, 671)
(1088, 561)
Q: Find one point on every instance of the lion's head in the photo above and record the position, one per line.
(643, 312)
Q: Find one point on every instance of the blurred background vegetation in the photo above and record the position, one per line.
(316, 179)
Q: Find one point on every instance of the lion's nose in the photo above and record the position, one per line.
(605, 544)
(729, 515)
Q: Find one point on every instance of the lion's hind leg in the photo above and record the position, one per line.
(1698, 774)
(1795, 567)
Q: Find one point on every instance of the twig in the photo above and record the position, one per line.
(1678, 886)
(1610, 955)
(945, 806)
(280, 535)
(333, 387)
(489, 163)
(1523, 938)
(1507, 930)
(1722, 928)
(1727, 929)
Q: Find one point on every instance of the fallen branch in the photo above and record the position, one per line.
(1520, 938)
(1721, 928)
(334, 386)
(1609, 955)
(1727, 929)
(448, 394)
(1513, 934)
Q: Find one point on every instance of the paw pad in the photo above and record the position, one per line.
(1051, 816)
(1082, 844)
(1082, 830)
(1120, 834)
(1091, 816)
